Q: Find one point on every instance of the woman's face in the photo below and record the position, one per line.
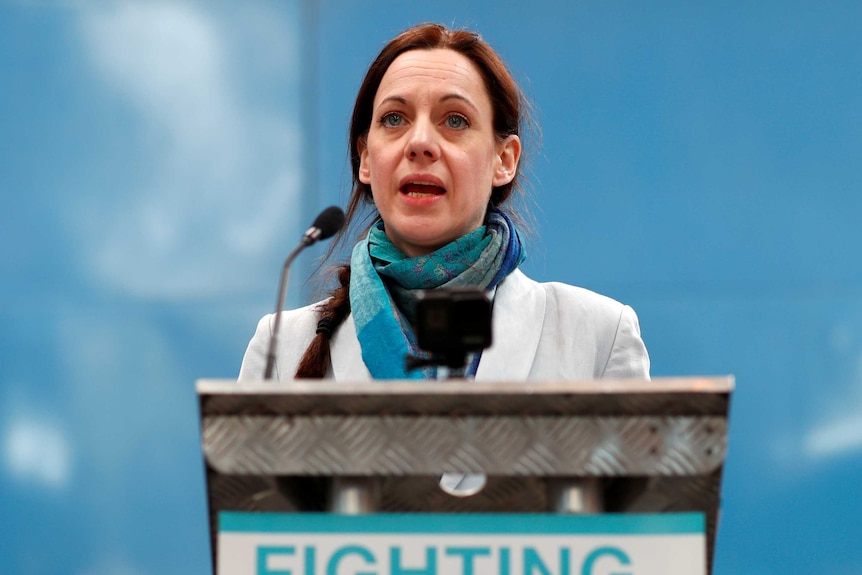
(431, 156)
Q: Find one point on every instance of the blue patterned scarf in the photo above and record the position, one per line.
(383, 278)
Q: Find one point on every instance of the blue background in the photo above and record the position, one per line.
(159, 159)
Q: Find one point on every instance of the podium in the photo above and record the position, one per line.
(544, 451)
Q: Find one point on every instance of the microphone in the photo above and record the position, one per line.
(324, 227)
(327, 224)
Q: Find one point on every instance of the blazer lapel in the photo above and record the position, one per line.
(517, 320)
(346, 356)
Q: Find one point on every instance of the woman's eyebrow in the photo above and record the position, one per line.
(456, 96)
(399, 99)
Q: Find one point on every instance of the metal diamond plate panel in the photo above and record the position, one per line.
(541, 446)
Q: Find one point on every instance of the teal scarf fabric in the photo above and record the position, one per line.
(383, 278)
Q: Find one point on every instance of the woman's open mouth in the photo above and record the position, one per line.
(422, 190)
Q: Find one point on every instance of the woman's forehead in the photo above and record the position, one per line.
(438, 69)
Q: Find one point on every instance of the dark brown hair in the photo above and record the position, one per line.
(508, 106)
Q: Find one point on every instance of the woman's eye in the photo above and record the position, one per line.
(456, 121)
(392, 119)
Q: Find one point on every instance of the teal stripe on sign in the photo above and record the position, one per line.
(477, 524)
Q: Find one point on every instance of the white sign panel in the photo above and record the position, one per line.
(460, 544)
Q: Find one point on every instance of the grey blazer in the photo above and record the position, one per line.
(541, 331)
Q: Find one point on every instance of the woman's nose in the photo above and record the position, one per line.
(422, 142)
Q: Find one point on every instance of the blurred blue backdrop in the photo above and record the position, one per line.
(701, 163)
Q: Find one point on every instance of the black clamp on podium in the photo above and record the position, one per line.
(582, 447)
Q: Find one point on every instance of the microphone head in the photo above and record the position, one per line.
(329, 222)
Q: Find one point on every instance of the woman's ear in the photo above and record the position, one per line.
(508, 154)
(364, 167)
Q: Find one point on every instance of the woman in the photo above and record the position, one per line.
(435, 146)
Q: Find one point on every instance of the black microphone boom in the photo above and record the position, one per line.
(324, 227)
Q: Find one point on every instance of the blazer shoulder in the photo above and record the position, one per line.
(562, 298)
(577, 300)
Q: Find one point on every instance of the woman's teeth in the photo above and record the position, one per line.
(421, 190)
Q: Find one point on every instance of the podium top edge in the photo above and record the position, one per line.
(696, 385)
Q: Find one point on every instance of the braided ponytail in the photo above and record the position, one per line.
(315, 360)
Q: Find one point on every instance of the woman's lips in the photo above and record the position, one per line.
(421, 190)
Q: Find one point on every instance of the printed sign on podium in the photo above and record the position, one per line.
(461, 544)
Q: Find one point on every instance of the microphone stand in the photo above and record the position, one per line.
(279, 303)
